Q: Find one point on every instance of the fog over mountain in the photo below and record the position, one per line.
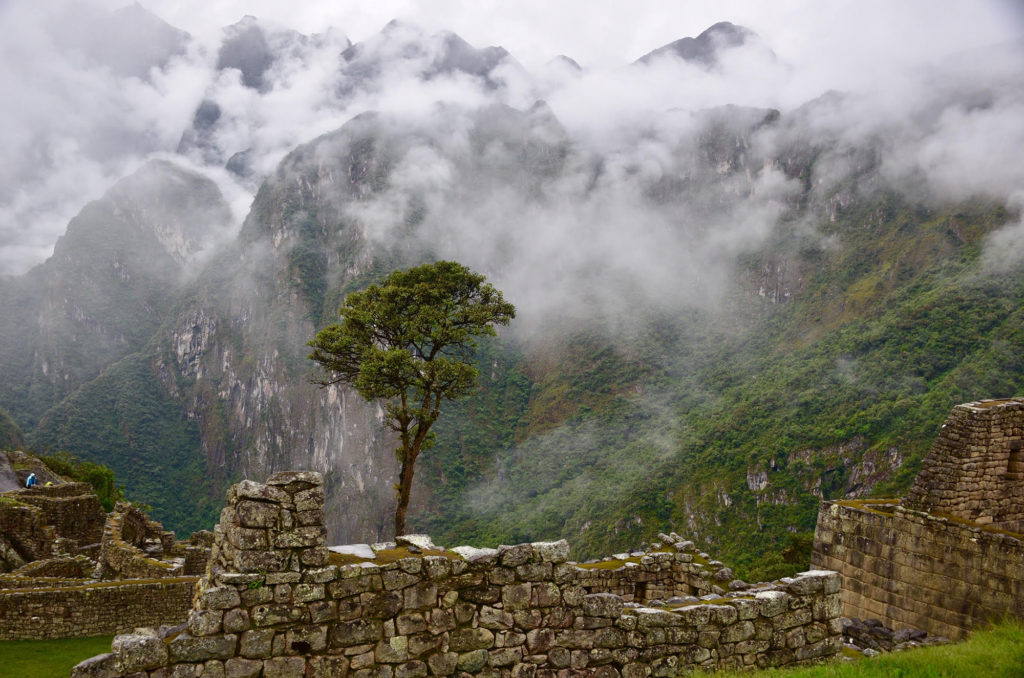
(650, 187)
(95, 88)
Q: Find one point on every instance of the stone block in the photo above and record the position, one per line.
(413, 669)
(256, 514)
(462, 640)
(356, 632)
(238, 667)
(396, 579)
(188, 648)
(256, 644)
(248, 489)
(546, 594)
(306, 639)
(284, 667)
(510, 556)
(515, 596)
(551, 551)
(291, 479)
(275, 613)
(392, 650)
(221, 598)
(422, 644)
(204, 622)
(420, 596)
(471, 662)
(382, 605)
(494, 619)
(138, 652)
(443, 663)
(236, 621)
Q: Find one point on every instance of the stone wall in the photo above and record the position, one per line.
(24, 534)
(122, 558)
(975, 469)
(73, 509)
(273, 604)
(94, 609)
(912, 569)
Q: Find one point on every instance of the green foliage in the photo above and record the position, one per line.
(48, 658)
(607, 440)
(997, 652)
(125, 421)
(11, 437)
(410, 341)
(99, 476)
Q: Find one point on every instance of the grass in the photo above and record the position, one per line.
(997, 652)
(48, 658)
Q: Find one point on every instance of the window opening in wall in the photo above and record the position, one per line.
(1015, 465)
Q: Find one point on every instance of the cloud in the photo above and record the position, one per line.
(71, 123)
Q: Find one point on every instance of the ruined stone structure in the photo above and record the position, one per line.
(950, 556)
(69, 569)
(275, 602)
(975, 470)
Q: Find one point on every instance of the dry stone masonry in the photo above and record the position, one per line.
(975, 470)
(275, 602)
(69, 569)
(951, 555)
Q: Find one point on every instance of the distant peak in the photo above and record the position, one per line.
(705, 49)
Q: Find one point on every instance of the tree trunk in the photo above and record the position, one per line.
(404, 489)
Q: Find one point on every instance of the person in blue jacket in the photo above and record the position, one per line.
(31, 480)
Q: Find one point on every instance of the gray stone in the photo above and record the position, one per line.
(472, 661)
(462, 640)
(327, 666)
(420, 541)
(221, 598)
(357, 632)
(138, 652)
(238, 667)
(256, 644)
(248, 489)
(288, 478)
(188, 648)
(552, 551)
(204, 622)
(284, 667)
(602, 605)
(443, 663)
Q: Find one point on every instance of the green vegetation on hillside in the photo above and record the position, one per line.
(124, 420)
(11, 437)
(606, 446)
(100, 477)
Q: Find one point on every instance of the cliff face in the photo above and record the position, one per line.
(711, 337)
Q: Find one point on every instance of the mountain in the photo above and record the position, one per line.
(707, 48)
(129, 41)
(726, 312)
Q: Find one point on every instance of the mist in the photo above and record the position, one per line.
(935, 91)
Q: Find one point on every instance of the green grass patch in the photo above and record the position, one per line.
(992, 653)
(48, 658)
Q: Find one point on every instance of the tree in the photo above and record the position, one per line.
(410, 340)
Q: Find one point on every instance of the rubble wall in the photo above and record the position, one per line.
(97, 609)
(73, 509)
(915, 570)
(273, 604)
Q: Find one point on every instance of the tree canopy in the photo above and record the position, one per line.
(410, 340)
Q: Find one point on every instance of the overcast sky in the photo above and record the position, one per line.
(67, 131)
(609, 32)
